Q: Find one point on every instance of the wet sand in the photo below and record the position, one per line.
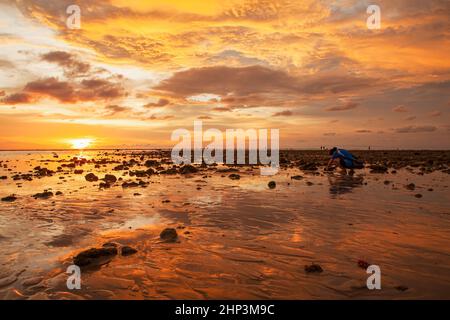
(237, 238)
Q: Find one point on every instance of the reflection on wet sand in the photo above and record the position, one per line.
(235, 238)
(344, 183)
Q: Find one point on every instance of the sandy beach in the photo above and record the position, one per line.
(236, 236)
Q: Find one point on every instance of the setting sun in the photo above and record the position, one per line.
(80, 143)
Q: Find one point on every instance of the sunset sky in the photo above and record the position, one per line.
(137, 70)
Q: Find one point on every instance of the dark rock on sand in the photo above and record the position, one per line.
(313, 268)
(79, 171)
(418, 195)
(126, 251)
(401, 288)
(110, 244)
(91, 177)
(43, 195)
(169, 235)
(3, 177)
(104, 185)
(234, 176)
(186, 169)
(109, 178)
(363, 264)
(10, 198)
(378, 168)
(296, 178)
(92, 255)
(58, 193)
(410, 186)
(272, 184)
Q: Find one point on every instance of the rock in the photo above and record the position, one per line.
(308, 166)
(90, 177)
(104, 185)
(110, 244)
(296, 178)
(126, 251)
(313, 268)
(418, 195)
(10, 198)
(58, 193)
(401, 288)
(378, 168)
(3, 177)
(92, 255)
(309, 183)
(79, 171)
(169, 235)
(186, 169)
(151, 163)
(363, 264)
(109, 178)
(234, 176)
(410, 186)
(43, 195)
(272, 184)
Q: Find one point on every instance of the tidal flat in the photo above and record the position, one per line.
(142, 228)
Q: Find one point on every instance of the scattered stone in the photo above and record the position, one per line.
(401, 288)
(313, 268)
(186, 169)
(169, 235)
(104, 185)
(43, 195)
(363, 264)
(378, 168)
(79, 171)
(126, 251)
(58, 193)
(309, 183)
(234, 176)
(3, 177)
(110, 244)
(109, 178)
(90, 177)
(10, 198)
(91, 255)
(272, 184)
(410, 186)
(418, 195)
(296, 177)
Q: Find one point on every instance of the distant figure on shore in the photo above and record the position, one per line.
(345, 159)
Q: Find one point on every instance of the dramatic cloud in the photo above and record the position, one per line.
(343, 107)
(161, 103)
(115, 109)
(71, 65)
(68, 92)
(285, 113)
(416, 129)
(61, 90)
(400, 108)
(17, 98)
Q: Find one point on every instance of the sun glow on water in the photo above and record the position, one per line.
(81, 143)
